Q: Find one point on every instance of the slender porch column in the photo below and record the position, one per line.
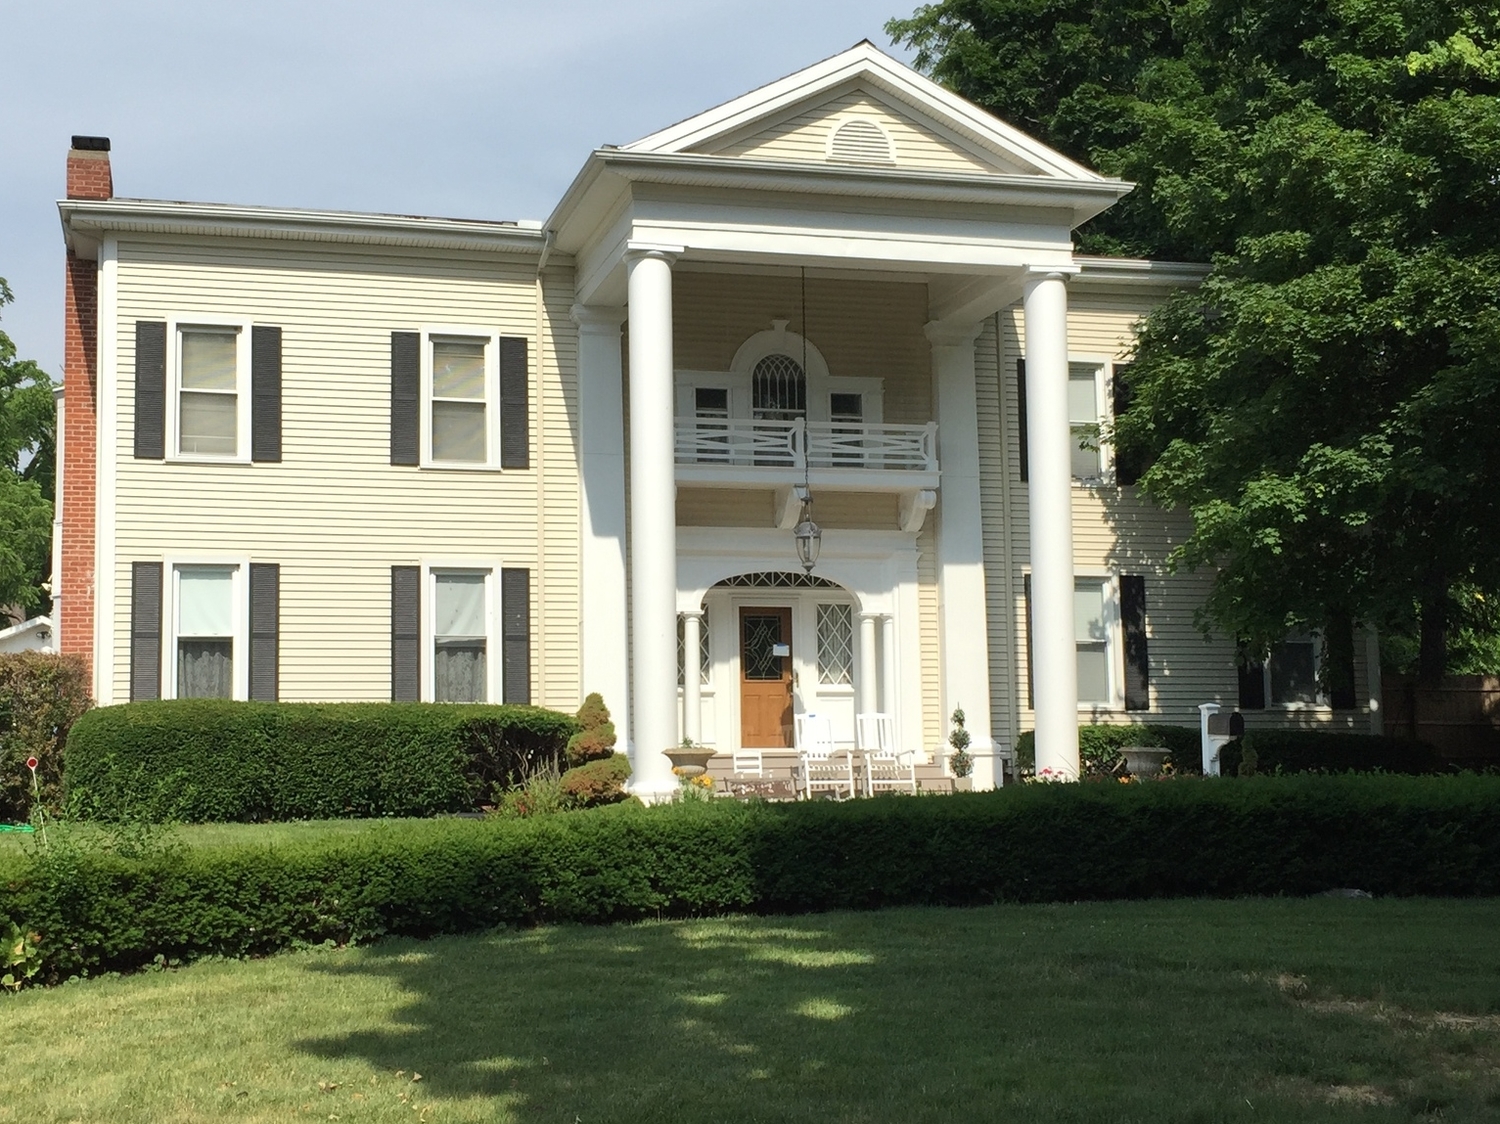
(1053, 644)
(601, 441)
(692, 676)
(653, 525)
(888, 694)
(962, 608)
(867, 674)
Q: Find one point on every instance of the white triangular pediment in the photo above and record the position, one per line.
(862, 107)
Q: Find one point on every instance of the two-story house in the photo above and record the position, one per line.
(320, 455)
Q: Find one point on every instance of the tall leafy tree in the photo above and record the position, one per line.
(27, 471)
(1325, 404)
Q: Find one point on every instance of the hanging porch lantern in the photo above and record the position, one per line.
(809, 536)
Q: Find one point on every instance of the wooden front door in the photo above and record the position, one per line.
(766, 678)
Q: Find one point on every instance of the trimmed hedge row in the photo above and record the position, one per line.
(1305, 751)
(203, 760)
(1281, 835)
(1099, 746)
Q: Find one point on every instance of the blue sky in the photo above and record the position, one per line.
(450, 107)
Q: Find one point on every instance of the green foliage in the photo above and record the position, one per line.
(1099, 746)
(199, 760)
(22, 960)
(596, 734)
(1323, 405)
(99, 911)
(41, 696)
(598, 782)
(1314, 751)
(538, 792)
(27, 425)
(961, 761)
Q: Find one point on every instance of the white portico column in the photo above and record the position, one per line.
(888, 692)
(867, 673)
(653, 525)
(601, 442)
(692, 676)
(962, 608)
(1053, 645)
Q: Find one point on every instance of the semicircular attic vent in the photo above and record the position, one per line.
(859, 140)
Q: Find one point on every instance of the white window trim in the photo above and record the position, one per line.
(493, 654)
(239, 609)
(1320, 701)
(1114, 640)
(1104, 408)
(176, 322)
(491, 338)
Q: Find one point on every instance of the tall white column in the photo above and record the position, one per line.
(653, 525)
(692, 676)
(601, 441)
(1053, 644)
(867, 672)
(962, 608)
(888, 694)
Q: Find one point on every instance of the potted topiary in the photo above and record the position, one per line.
(960, 761)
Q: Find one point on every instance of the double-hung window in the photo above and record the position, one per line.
(207, 654)
(210, 402)
(1093, 635)
(463, 620)
(1083, 420)
(462, 399)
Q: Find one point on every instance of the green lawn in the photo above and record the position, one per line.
(198, 834)
(1192, 1011)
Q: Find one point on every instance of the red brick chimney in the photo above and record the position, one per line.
(73, 589)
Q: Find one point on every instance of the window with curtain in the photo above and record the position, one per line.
(460, 401)
(1083, 420)
(208, 392)
(205, 632)
(836, 644)
(1091, 635)
(460, 628)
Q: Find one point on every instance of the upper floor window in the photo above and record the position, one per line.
(462, 399)
(778, 389)
(210, 393)
(1084, 391)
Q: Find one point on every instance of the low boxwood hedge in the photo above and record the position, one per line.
(1308, 751)
(1099, 746)
(96, 911)
(202, 760)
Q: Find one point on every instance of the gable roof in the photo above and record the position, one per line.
(864, 66)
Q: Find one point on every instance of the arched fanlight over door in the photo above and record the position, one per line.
(778, 389)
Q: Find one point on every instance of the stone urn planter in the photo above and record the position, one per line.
(689, 760)
(1144, 761)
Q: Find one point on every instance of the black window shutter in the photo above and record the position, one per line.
(150, 390)
(1127, 465)
(1022, 443)
(1338, 649)
(265, 394)
(145, 630)
(515, 423)
(406, 633)
(1030, 680)
(265, 631)
(515, 635)
(406, 397)
(1137, 661)
(1252, 682)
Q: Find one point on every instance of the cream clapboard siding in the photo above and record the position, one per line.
(1115, 532)
(756, 507)
(335, 514)
(804, 136)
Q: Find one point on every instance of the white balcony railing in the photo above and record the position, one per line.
(801, 444)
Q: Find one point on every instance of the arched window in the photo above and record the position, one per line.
(778, 389)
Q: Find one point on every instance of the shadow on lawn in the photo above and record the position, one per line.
(636, 1022)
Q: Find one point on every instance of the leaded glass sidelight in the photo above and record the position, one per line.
(836, 644)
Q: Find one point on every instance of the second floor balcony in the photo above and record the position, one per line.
(840, 455)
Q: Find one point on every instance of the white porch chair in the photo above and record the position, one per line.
(886, 767)
(815, 757)
(748, 763)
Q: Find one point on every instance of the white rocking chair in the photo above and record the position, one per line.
(815, 753)
(886, 768)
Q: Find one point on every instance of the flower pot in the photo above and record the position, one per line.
(963, 784)
(689, 762)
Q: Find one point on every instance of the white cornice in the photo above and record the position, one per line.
(85, 223)
(1136, 273)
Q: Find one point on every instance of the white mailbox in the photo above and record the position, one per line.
(1218, 729)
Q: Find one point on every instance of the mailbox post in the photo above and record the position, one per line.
(1218, 730)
